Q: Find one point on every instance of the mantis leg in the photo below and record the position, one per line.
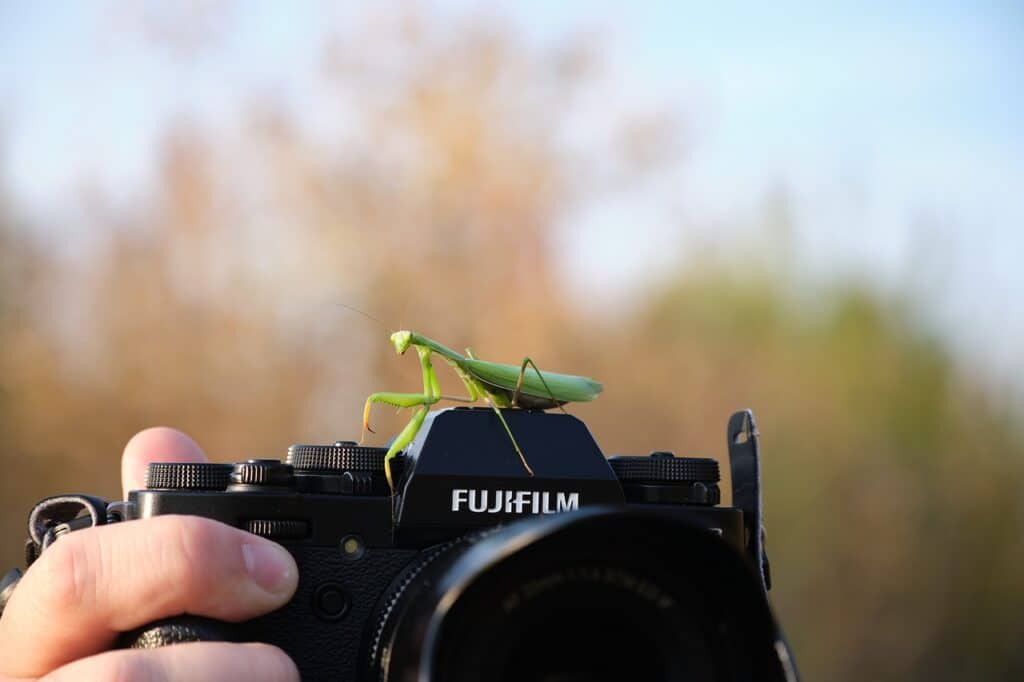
(501, 417)
(401, 400)
(490, 401)
(519, 383)
(431, 393)
(473, 392)
(395, 399)
(402, 440)
(410, 430)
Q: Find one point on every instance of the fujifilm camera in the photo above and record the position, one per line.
(594, 569)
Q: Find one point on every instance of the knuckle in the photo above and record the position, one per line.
(127, 669)
(195, 551)
(274, 662)
(111, 667)
(70, 571)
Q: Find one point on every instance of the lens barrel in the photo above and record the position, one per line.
(599, 594)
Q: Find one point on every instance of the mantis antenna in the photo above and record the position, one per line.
(365, 314)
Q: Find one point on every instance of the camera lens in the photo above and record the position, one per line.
(593, 619)
(588, 596)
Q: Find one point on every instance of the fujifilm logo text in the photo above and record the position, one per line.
(513, 501)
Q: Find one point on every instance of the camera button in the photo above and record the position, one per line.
(330, 602)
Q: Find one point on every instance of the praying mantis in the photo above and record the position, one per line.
(497, 384)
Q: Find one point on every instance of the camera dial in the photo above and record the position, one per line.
(344, 455)
(188, 476)
(662, 478)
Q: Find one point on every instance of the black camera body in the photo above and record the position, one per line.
(594, 568)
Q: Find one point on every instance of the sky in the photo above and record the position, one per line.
(896, 134)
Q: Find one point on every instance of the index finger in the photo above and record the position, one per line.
(158, 444)
(98, 582)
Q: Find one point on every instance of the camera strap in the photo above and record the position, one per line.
(59, 515)
(745, 465)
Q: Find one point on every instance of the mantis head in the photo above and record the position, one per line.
(401, 341)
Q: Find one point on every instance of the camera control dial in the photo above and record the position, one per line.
(344, 455)
(188, 476)
(278, 529)
(663, 478)
(664, 467)
(262, 473)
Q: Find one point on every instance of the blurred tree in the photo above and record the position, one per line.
(7, 261)
(892, 481)
(25, 354)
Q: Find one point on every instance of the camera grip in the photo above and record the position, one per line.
(176, 631)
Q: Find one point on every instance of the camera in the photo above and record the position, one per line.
(592, 569)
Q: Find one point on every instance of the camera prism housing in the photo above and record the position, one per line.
(594, 568)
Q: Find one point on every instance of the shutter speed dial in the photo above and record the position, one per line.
(342, 456)
(345, 468)
(663, 478)
(664, 467)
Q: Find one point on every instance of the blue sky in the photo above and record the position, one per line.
(895, 131)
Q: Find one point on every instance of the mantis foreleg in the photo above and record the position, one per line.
(402, 440)
(394, 399)
(431, 394)
(410, 430)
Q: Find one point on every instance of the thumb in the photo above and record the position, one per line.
(158, 444)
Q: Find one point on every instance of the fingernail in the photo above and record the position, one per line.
(269, 565)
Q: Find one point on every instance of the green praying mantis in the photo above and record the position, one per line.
(497, 384)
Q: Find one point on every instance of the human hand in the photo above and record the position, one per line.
(93, 584)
